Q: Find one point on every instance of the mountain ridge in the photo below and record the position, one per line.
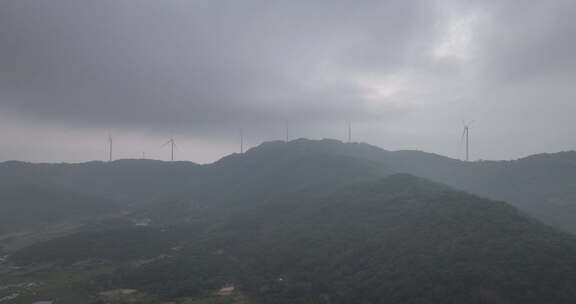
(543, 184)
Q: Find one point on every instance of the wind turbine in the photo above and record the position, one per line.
(241, 140)
(287, 129)
(172, 143)
(109, 146)
(349, 131)
(466, 136)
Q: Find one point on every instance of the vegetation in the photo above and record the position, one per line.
(31, 206)
(304, 222)
(398, 240)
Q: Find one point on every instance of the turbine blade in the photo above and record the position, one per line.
(165, 144)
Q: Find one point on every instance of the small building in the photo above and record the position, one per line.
(142, 222)
(115, 293)
(226, 290)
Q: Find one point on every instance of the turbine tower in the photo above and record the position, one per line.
(466, 137)
(241, 140)
(172, 143)
(349, 131)
(109, 147)
(287, 134)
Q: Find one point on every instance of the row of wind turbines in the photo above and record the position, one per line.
(110, 146)
(172, 142)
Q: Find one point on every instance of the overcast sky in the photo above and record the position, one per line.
(405, 73)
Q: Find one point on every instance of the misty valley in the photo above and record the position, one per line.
(304, 221)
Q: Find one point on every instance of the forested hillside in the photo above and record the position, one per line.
(401, 239)
(25, 207)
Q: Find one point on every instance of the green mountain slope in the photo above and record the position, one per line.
(401, 239)
(407, 240)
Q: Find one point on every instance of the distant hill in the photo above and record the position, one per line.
(235, 179)
(400, 239)
(128, 180)
(543, 185)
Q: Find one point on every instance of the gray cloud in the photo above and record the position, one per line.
(529, 40)
(147, 62)
(412, 68)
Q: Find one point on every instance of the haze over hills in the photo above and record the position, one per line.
(543, 185)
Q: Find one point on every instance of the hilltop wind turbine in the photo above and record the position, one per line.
(172, 143)
(466, 136)
(109, 146)
(241, 140)
(349, 131)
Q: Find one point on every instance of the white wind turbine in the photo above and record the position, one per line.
(466, 137)
(110, 141)
(172, 144)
